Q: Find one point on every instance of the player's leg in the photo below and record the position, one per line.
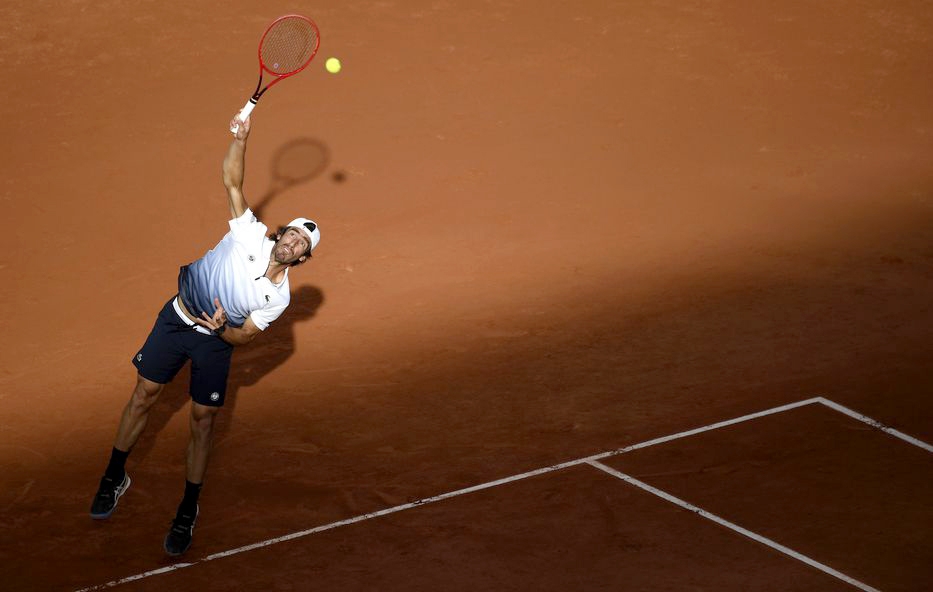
(210, 365)
(180, 534)
(157, 363)
(136, 413)
(116, 481)
(199, 448)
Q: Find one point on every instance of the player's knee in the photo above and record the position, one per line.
(145, 393)
(202, 419)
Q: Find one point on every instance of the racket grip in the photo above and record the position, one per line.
(244, 113)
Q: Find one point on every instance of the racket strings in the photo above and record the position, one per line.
(288, 45)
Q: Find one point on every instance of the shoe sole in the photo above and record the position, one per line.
(116, 501)
(179, 554)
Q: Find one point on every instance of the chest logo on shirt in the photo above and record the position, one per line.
(267, 298)
(251, 258)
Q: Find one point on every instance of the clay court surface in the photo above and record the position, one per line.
(549, 230)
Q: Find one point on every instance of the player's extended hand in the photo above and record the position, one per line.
(241, 126)
(213, 322)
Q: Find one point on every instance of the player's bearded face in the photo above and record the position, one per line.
(290, 247)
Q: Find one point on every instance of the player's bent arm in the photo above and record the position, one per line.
(233, 172)
(241, 335)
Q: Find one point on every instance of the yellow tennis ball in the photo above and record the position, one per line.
(332, 65)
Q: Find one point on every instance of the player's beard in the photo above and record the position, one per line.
(284, 254)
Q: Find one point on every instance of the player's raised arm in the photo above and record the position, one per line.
(234, 168)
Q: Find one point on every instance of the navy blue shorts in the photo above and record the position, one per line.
(171, 343)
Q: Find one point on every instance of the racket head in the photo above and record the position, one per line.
(288, 45)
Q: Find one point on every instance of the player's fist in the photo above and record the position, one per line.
(240, 127)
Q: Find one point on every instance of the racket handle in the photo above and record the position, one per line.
(244, 113)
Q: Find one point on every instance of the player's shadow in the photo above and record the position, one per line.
(250, 364)
(297, 161)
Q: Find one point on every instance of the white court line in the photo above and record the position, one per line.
(756, 537)
(513, 478)
(875, 424)
(700, 430)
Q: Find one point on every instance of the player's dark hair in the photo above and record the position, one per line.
(278, 234)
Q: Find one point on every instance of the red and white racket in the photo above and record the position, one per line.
(285, 49)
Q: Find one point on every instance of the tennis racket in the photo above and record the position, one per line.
(285, 49)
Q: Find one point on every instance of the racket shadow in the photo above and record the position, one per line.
(296, 162)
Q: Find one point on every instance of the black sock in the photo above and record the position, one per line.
(189, 503)
(115, 468)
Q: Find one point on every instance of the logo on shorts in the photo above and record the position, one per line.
(139, 357)
(251, 258)
(215, 396)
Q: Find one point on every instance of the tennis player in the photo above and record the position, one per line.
(226, 298)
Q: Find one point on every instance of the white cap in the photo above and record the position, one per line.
(310, 229)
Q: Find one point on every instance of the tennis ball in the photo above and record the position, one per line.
(332, 65)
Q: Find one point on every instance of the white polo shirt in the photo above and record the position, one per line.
(234, 272)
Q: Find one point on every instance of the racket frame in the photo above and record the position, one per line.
(254, 99)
